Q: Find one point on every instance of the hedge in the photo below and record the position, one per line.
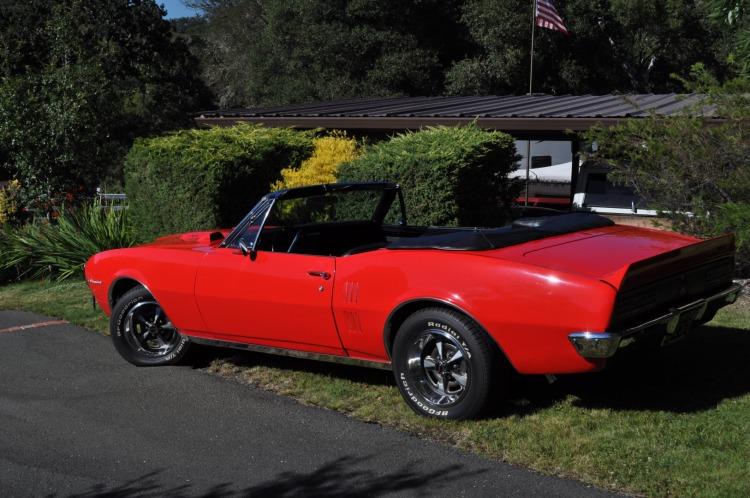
(450, 175)
(204, 179)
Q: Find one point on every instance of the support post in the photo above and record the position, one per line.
(528, 170)
(575, 149)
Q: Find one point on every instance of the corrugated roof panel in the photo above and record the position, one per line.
(677, 104)
(643, 105)
(499, 106)
(555, 107)
(492, 105)
(409, 108)
(567, 107)
(507, 106)
(325, 108)
(614, 106)
(448, 107)
(371, 108)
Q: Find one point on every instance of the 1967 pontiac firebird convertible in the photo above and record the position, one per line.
(333, 272)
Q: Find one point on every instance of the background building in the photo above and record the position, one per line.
(550, 124)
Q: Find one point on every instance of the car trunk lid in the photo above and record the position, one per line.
(604, 253)
(652, 270)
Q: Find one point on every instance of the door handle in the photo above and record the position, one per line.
(322, 274)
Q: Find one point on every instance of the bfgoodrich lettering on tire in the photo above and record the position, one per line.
(142, 333)
(445, 365)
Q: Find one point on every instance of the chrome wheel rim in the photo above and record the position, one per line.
(439, 367)
(147, 329)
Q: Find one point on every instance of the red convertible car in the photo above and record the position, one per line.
(334, 272)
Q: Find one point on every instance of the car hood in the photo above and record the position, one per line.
(605, 253)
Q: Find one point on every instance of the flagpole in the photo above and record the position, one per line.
(531, 61)
(531, 90)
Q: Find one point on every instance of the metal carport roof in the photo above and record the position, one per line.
(514, 113)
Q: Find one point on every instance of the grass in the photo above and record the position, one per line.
(675, 422)
(69, 300)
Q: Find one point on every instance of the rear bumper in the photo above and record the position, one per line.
(599, 345)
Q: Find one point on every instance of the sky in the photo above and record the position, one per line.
(175, 8)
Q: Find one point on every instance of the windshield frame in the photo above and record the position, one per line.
(261, 209)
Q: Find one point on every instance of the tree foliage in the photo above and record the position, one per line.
(79, 79)
(734, 16)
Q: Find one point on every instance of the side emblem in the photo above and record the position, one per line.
(351, 290)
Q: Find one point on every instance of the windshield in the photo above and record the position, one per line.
(341, 206)
(298, 208)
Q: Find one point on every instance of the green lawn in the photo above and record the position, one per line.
(673, 423)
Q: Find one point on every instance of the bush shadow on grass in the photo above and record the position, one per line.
(342, 477)
(692, 375)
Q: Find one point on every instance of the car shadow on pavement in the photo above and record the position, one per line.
(345, 476)
(692, 375)
(695, 374)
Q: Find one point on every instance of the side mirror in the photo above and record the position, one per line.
(247, 250)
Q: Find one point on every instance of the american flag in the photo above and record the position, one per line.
(547, 16)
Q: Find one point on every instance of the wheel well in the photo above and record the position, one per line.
(400, 314)
(120, 287)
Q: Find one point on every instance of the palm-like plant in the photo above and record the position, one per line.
(60, 249)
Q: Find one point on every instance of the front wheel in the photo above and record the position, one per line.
(142, 333)
(446, 366)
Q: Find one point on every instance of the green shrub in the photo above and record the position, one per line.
(60, 249)
(450, 175)
(733, 217)
(204, 179)
(9, 202)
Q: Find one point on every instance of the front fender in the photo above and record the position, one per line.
(168, 275)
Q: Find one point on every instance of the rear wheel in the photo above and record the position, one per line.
(142, 333)
(446, 366)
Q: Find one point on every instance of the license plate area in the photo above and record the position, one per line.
(682, 322)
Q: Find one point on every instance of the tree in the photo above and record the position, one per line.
(79, 80)
(271, 51)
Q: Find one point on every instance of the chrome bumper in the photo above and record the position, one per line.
(605, 344)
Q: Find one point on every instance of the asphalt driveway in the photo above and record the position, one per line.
(76, 420)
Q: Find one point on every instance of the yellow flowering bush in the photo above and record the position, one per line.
(322, 166)
(8, 204)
